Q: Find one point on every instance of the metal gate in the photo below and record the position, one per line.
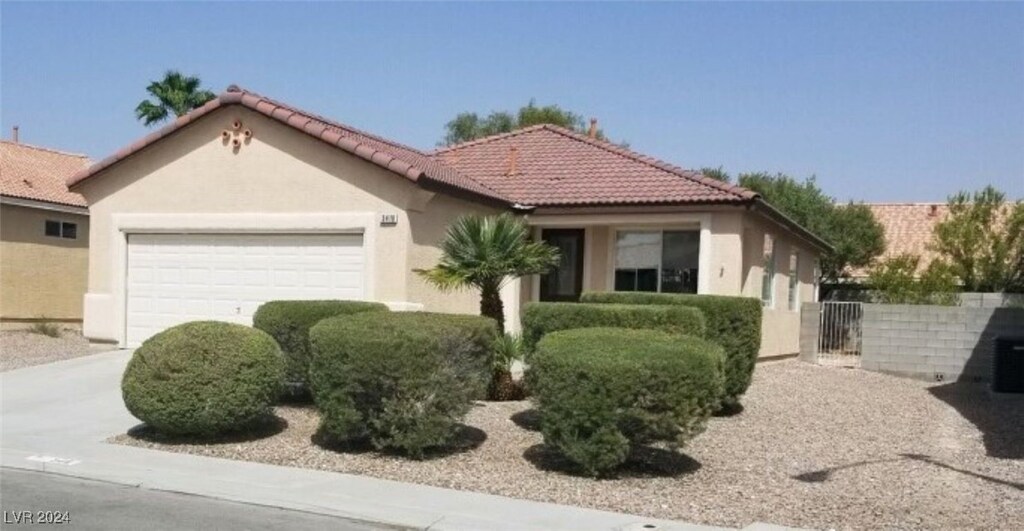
(839, 333)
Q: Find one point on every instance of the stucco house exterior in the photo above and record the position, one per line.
(248, 199)
(44, 236)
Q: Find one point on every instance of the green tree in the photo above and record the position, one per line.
(482, 252)
(982, 239)
(175, 94)
(856, 236)
(719, 174)
(468, 126)
(896, 281)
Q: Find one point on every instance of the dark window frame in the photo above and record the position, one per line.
(66, 230)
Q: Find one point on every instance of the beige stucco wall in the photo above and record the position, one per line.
(279, 171)
(41, 277)
(733, 266)
(780, 326)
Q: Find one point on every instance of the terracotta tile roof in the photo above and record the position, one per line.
(403, 160)
(556, 166)
(908, 229)
(37, 173)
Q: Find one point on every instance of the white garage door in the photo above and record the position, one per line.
(174, 278)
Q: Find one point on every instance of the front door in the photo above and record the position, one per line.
(565, 282)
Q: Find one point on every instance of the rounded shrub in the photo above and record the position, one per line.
(601, 391)
(733, 322)
(289, 322)
(539, 318)
(203, 378)
(401, 381)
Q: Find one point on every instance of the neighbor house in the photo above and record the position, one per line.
(908, 230)
(44, 236)
(247, 199)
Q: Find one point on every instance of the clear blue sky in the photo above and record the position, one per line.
(883, 102)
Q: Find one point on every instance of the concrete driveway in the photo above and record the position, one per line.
(55, 418)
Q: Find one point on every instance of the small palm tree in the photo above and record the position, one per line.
(176, 93)
(483, 252)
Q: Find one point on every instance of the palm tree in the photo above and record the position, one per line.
(482, 252)
(176, 93)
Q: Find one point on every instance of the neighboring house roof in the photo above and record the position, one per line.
(908, 229)
(554, 166)
(39, 174)
(549, 165)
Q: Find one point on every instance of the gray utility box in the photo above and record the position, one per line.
(1008, 364)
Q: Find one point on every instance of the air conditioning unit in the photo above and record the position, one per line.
(1008, 364)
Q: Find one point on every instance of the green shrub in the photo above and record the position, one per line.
(203, 378)
(600, 391)
(733, 322)
(540, 318)
(508, 348)
(399, 380)
(289, 322)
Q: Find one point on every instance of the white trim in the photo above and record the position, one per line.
(704, 256)
(44, 205)
(244, 223)
(579, 220)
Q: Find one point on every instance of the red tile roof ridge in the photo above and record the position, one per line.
(324, 119)
(617, 150)
(488, 139)
(47, 149)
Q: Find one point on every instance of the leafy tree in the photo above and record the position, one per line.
(470, 126)
(482, 252)
(853, 231)
(896, 281)
(175, 93)
(982, 239)
(716, 173)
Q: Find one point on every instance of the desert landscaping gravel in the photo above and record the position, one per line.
(21, 348)
(815, 447)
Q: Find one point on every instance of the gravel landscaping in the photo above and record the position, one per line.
(818, 447)
(21, 348)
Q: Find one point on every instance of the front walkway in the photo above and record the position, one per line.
(55, 418)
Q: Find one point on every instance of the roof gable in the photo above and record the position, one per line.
(39, 174)
(397, 158)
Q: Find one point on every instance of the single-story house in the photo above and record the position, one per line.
(247, 199)
(44, 236)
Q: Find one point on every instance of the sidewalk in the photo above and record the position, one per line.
(55, 418)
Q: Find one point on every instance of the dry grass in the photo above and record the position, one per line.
(815, 447)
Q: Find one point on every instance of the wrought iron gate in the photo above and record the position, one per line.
(839, 333)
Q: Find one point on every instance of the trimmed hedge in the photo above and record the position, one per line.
(399, 380)
(289, 322)
(733, 322)
(602, 390)
(203, 378)
(540, 318)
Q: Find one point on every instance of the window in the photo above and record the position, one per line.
(659, 261)
(794, 282)
(767, 284)
(61, 229)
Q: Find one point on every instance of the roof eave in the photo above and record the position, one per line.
(767, 210)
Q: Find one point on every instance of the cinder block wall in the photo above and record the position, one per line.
(810, 322)
(937, 343)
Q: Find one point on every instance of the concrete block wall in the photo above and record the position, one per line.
(992, 300)
(936, 343)
(810, 322)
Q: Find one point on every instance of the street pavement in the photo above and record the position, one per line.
(30, 499)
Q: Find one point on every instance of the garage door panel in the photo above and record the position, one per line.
(174, 278)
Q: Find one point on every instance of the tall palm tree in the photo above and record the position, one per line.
(482, 252)
(176, 93)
